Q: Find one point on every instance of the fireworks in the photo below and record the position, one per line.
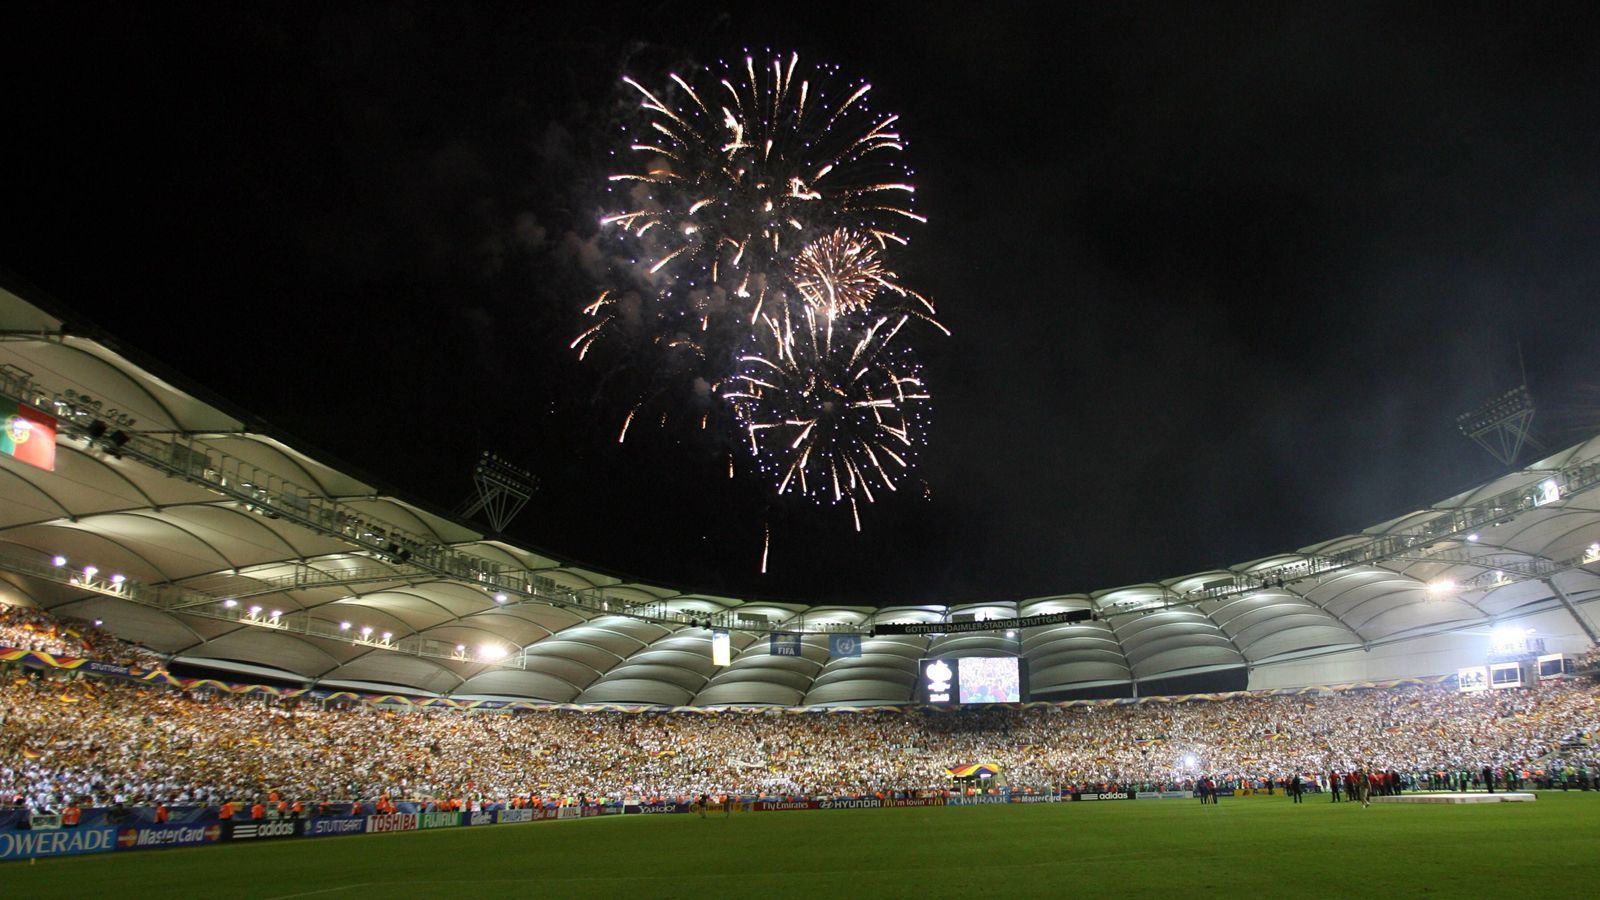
(736, 179)
(833, 412)
(758, 209)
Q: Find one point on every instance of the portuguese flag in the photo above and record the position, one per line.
(27, 435)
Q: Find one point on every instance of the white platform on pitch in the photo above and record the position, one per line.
(1499, 797)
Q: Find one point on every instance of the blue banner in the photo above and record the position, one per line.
(785, 644)
(61, 842)
(844, 645)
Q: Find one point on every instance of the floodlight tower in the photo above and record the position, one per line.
(502, 491)
(1500, 426)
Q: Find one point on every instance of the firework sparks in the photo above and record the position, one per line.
(832, 410)
(729, 191)
(755, 222)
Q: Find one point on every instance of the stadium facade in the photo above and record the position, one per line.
(188, 528)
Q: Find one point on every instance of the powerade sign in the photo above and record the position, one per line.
(70, 842)
(251, 831)
(334, 825)
(167, 836)
(975, 801)
(438, 820)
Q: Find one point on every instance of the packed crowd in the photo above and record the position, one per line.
(71, 739)
(27, 628)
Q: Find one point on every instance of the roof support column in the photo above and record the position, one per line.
(1572, 610)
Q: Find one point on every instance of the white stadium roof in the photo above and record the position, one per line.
(206, 518)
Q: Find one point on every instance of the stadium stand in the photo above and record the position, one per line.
(67, 740)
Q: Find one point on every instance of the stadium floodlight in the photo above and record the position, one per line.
(1010, 633)
(1473, 537)
(98, 623)
(255, 611)
(1441, 587)
(58, 560)
(90, 571)
(388, 636)
(1500, 426)
(229, 603)
(344, 626)
(366, 631)
(276, 614)
(1592, 553)
(118, 579)
(493, 652)
(500, 598)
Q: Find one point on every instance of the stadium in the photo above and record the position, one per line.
(1447, 650)
(1091, 499)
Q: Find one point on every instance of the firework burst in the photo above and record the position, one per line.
(754, 223)
(735, 179)
(832, 407)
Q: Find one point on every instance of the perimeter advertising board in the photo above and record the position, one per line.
(328, 826)
(438, 819)
(167, 836)
(66, 842)
(982, 800)
(913, 801)
(392, 822)
(262, 830)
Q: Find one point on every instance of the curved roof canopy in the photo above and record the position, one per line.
(237, 551)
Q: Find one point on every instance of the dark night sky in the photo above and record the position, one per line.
(1219, 276)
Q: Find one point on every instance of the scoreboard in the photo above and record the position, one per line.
(973, 679)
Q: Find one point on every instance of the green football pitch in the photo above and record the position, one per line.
(1259, 846)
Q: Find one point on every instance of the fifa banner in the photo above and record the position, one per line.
(331, 826)
(67, 842)
(262, 830)
(1165, 795)
(784, 644)
(438, 820)
(167, 836)
(1099, 795)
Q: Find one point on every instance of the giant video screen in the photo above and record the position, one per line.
(1002, 679)
(994, 679)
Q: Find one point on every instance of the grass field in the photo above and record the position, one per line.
(1254, 847)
